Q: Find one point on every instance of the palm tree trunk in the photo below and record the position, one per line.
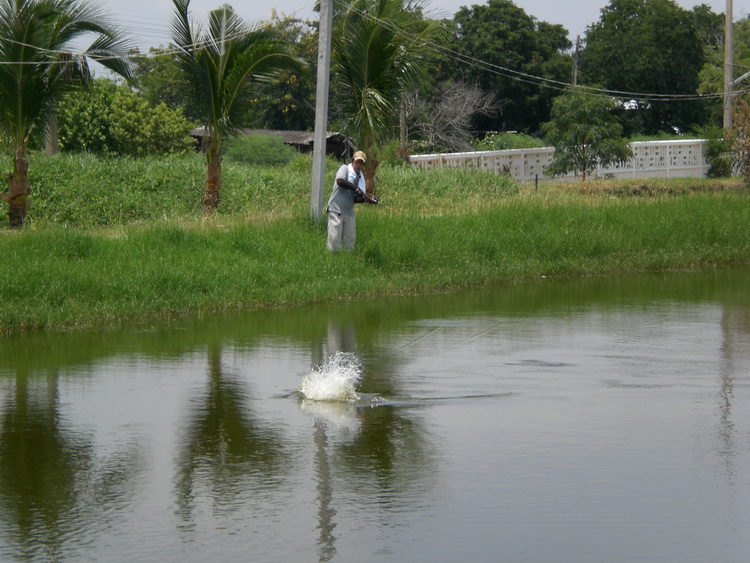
(372, 163)
(370, 170)
(213, 179)
(18, 190)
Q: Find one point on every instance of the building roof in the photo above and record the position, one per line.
(289, 137)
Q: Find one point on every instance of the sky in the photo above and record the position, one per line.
(148, 20)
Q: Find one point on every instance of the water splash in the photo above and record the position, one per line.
(333, 381)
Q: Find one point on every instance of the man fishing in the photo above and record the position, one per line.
(348, 188)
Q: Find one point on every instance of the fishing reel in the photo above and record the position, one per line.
(363, 197)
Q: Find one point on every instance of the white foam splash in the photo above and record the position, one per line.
(333, 381)
(340, 420)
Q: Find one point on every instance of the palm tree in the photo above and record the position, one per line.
(37, 68)
(376, 51)
(221, 64)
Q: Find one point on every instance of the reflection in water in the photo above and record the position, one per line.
(326, 511)
(326, 390)
(391, 458)
(54, 491)
(569, 467)
(383, 453)
(225, 455)
(735, 325)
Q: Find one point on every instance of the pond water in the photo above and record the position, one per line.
(588, 420)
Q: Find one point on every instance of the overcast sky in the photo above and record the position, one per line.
(148, 20)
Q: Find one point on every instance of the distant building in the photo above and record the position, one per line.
(337, 144)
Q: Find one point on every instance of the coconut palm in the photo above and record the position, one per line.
(221, 64)
(37, 66)
(376, 50)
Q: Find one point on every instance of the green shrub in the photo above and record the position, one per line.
(108, 119)
(259, 150)
(718, 151)
(508, 141)
(392, 154)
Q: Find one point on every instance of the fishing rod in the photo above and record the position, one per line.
(373, 198)
(389, 208)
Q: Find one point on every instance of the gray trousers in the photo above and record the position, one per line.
(342, 231)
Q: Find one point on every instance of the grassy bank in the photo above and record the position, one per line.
(142, 251)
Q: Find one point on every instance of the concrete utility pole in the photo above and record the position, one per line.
(728, 63)
(321, 110)
(575, 60)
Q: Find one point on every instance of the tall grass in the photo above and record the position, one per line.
(143, 251)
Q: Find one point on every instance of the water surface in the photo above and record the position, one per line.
(589, 420)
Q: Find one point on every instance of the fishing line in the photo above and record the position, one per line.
(471, 337)
(418, 340)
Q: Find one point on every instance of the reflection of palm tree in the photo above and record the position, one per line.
(224, 447)
(390, 451)
(51, 486)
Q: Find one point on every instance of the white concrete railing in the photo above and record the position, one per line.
(651, 159)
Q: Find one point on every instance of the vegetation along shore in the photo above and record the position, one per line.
(109, 241)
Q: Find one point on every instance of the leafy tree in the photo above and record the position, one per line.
(84, 122)
(222, 64)
(288, 102)
(35, 71)
(376, 50)
(502, 49)
(709, 26)
(157, 77)
(140, 129)
(712, 74)
(585, 133)
(112, 120)
(739, 140)
(650, 48)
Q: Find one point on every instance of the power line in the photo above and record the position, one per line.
(155, 28)
(538, 80)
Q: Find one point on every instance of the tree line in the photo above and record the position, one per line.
(398, 78)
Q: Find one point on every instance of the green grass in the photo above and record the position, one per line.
(141, 250)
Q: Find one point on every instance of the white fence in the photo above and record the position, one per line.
(651, 159)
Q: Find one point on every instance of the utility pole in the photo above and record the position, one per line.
(575, 60)
(321, 110)
(728, 63)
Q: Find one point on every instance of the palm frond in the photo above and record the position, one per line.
(38, 65)
(376, 51)
(223, 61)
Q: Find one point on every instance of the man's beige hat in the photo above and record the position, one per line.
(359, 155)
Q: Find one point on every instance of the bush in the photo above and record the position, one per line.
(507, 141)
(110, 120)
(259, 150)
(718, 151)
(391, 153)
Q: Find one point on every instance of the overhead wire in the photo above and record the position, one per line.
(539, 80)
(160, 31)
(141, 25)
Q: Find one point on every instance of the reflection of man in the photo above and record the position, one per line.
(342, 336)
(348, 189)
